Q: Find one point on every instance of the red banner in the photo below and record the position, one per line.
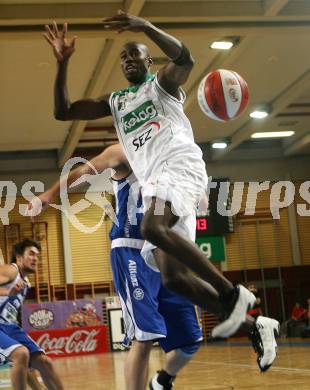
(73, 341)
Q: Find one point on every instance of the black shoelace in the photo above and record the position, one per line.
(228, 303)
(256, 340)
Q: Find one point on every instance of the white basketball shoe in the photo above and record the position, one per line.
(263, 337)
(236, 315)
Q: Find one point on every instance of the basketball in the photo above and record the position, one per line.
(223, 95)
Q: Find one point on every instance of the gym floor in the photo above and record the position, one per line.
(221, 366)
(216, 366)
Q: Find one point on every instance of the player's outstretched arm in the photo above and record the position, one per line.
(111, 157)
(176, 72)
(85, 109)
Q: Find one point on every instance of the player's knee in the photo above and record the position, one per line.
(44, 363)
(189, 350)
(20, 356)
(143, 348)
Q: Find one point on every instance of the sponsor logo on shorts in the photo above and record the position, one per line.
(138, 294)
(138, 117)
(132, 266)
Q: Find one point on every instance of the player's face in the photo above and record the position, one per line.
(30, 259)
(135, 62)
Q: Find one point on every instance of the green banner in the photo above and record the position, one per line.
(213, 247)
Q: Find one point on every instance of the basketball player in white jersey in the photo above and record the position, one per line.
(158, 142)
(15, 345)
(145, 315)
(156, 314)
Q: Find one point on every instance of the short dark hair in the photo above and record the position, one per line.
(20, 247)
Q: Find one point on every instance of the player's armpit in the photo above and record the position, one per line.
(172, 76)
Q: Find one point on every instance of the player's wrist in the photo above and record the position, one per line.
(62, 62)
(148, 27)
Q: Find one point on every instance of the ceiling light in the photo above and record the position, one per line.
(222, 45)
(261, 111)
(273, 134)
(219, 145)
(259, 114)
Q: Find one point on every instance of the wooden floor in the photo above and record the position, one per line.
(225, 366)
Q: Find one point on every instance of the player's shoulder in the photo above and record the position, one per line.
(9, 270)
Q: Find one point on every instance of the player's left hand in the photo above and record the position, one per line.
(125, 22)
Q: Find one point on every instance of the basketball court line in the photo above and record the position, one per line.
(5, 383)
(247, 344)
(240, 365)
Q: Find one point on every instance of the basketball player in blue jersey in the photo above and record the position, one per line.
(150, 311)
(15, 345)
(158, 142)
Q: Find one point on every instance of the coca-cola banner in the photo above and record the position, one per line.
(62, 314)
(73, 341)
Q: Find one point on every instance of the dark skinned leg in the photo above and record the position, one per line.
(157, 230)
(176, 277)
(198, 291)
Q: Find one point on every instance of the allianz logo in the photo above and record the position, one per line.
(138, 117)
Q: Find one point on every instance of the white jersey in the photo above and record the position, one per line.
(154, 131)
(10, 305)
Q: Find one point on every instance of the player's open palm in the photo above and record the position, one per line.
(38, 204)
(62, 47)
(125, 22)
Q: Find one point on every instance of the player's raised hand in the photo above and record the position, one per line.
(62, 47)
(38, 204)
(125, 22)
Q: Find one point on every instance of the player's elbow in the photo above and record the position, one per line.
(191, 61)
(185, 59)
(63, 111)
(60, 116)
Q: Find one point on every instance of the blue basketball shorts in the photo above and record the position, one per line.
(13, 336)
(150, 311)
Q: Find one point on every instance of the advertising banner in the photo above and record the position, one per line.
(62, 314)
(73, 341)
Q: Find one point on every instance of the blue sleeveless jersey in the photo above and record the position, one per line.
(129, 209)
(10, 305)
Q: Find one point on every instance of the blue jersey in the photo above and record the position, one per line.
(129, 210)
(10, 305)
(11, 335)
